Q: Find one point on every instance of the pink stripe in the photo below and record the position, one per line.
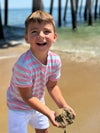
(17, 108)
(57, 70)
(41, 79)
(49, 73)
(51, 53)
(22, 68)
(36, 70)
(22, 75)
(51, 78)
(26, 57)
(55, 75)
(38, 95)
(53, 61)
(31, 64)
(15, 103)
(9, 92)
(52, 67)
(37, 90)
(22, 80)
(18, 95)
(40, 84)
(38, 75)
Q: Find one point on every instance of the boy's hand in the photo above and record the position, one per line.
(53, 120)
(64, 116)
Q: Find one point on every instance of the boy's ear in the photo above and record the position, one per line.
(26, 38)
(55, 37)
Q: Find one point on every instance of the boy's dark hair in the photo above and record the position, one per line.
(39, 16)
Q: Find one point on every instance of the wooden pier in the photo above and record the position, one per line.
(75, 5)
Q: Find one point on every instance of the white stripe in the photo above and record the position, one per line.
(7, 57)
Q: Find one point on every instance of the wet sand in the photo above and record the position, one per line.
(80, 85)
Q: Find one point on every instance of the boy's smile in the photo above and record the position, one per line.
(40, 36)
(41, 44)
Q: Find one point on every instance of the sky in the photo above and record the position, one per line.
(28, 3)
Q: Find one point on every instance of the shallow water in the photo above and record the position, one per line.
(79, 49)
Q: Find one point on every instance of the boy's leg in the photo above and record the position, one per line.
(17, 121)
(41, 130)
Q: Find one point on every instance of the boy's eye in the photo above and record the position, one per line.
(35, 32)
(47, 32)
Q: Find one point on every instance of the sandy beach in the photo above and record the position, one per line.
(80, 85)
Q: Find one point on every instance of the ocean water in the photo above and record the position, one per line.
(16, 17)
(81, 51)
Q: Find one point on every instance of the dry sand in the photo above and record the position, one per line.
(80, 85)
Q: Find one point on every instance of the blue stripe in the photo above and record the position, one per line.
(38, 92)
(23, 83)
(40, 86)
(21, 71)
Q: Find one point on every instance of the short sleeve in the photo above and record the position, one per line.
(56, 70)
(21, 76)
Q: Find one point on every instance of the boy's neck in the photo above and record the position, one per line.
(42, 58)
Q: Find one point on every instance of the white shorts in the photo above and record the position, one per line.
(17, 121)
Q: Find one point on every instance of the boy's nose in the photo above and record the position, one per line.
(41, 34)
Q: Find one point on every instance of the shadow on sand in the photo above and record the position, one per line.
(12, 36)
(4, 44)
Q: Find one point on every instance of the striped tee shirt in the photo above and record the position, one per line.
(28, 71)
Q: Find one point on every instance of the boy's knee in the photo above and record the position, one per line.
(41, 130)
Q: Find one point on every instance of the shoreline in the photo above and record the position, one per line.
(82, 45)
(14, 49)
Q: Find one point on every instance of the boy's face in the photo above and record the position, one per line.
(40, 36)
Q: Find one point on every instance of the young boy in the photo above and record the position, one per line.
(36, 69)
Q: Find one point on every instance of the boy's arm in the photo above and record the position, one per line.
(37, 105)
(56, 94)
